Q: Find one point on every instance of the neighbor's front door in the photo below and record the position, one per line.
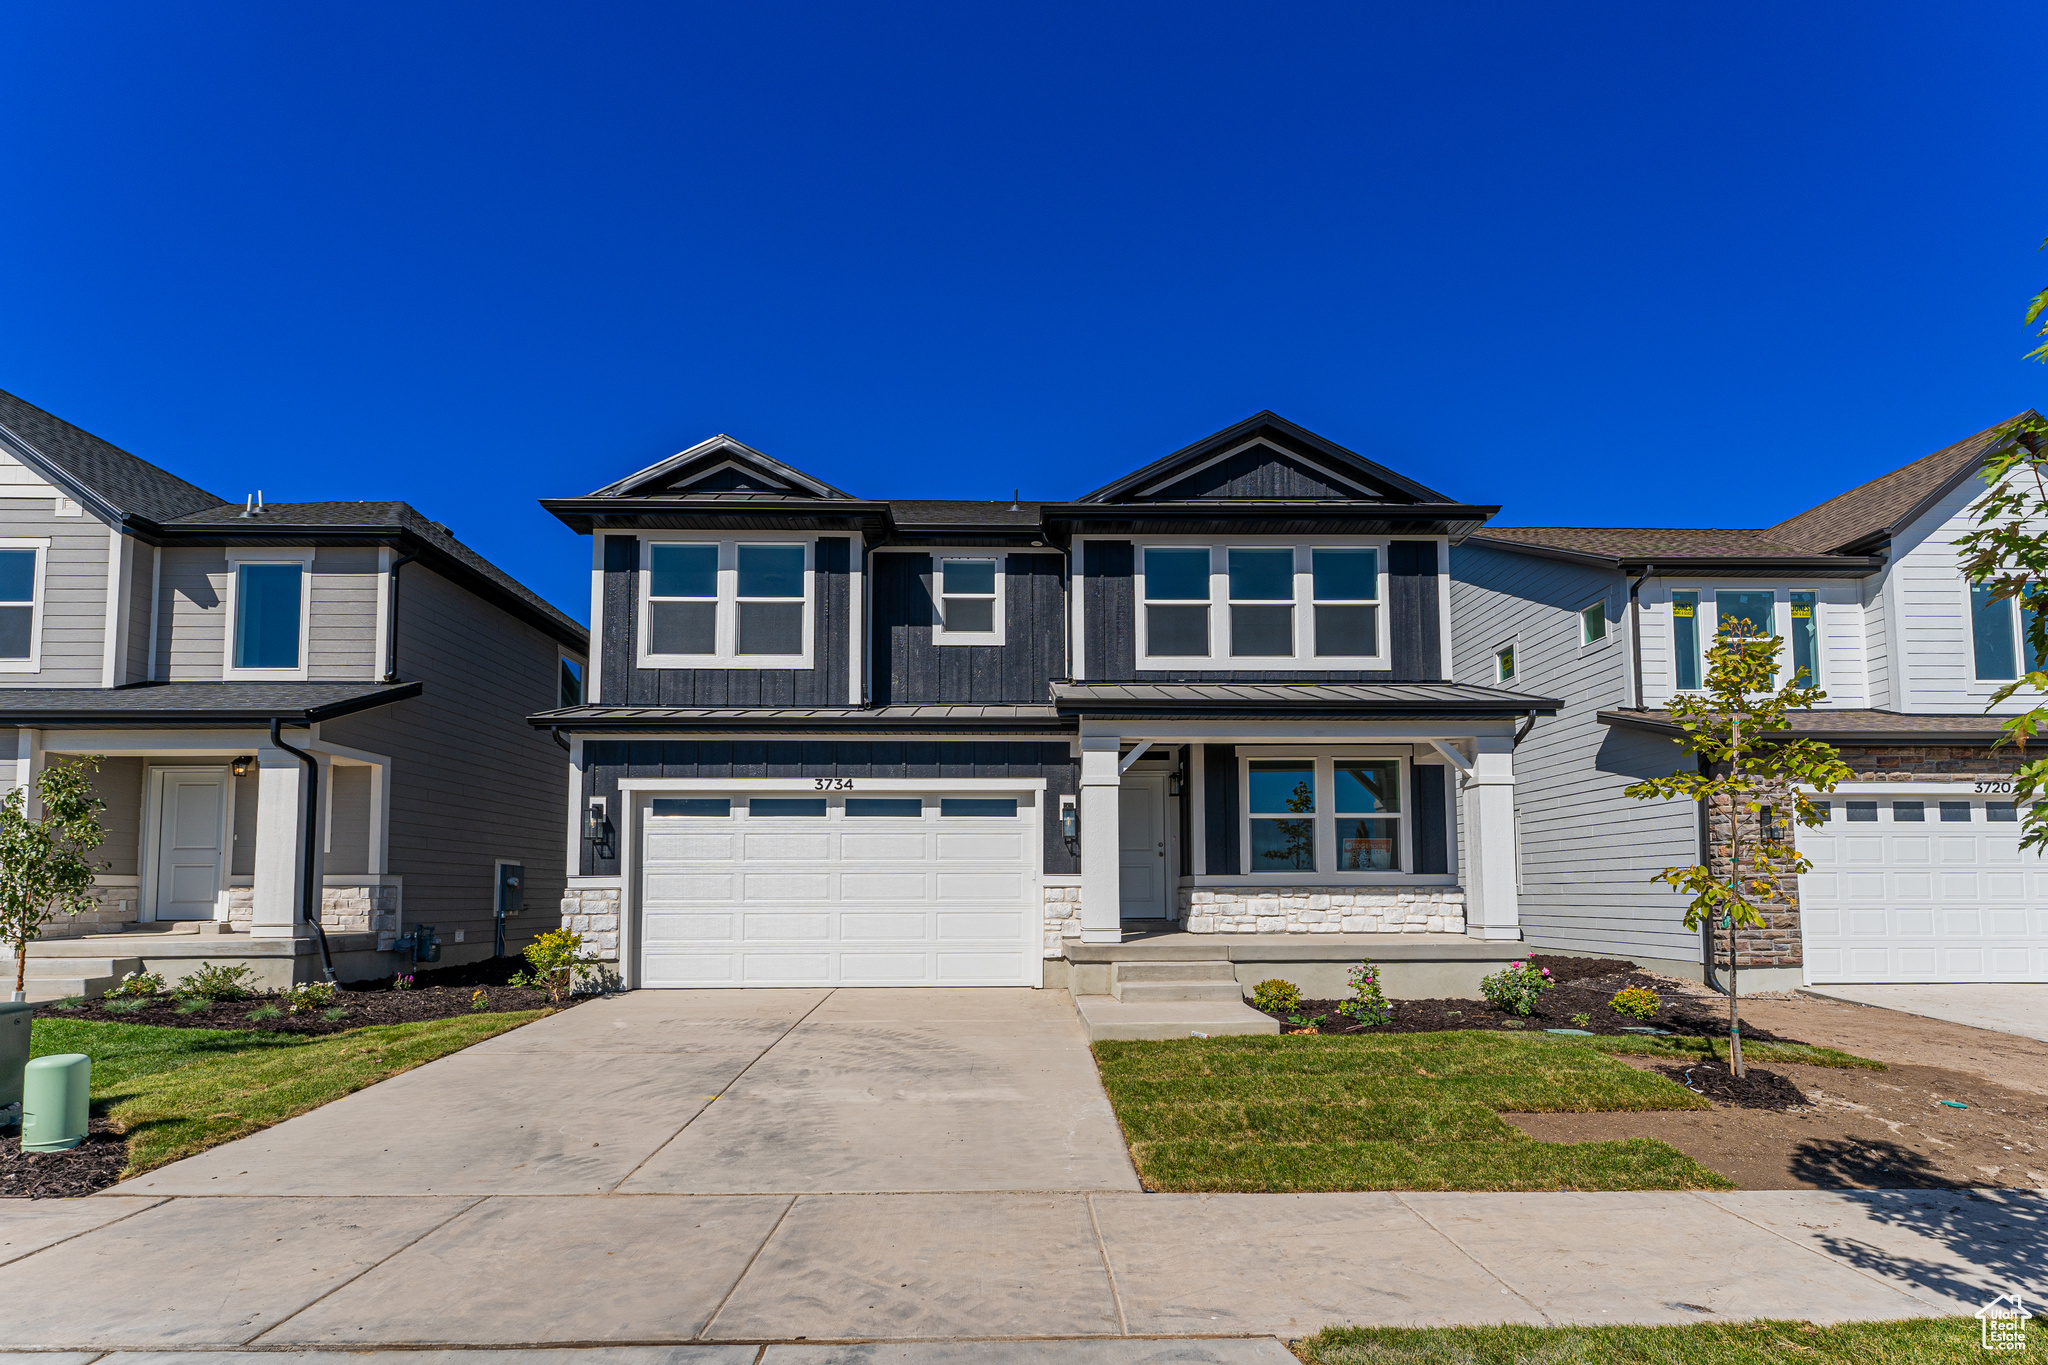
(191, 841)
(1141, 857)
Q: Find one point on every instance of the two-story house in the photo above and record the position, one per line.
(839, 741)
(1917, 873)
(309, 718)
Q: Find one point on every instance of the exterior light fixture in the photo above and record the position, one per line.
(240, 767)
(594, 820)
(1070, 820)
(1173, 784)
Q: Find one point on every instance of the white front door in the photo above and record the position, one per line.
(1141, 852)
(191, 841)
(1922, 886)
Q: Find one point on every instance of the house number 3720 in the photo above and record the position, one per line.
(832, 784)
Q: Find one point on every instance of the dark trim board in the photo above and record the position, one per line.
(606, 761)
(822, 684)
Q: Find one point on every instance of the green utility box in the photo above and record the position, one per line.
(15, 1020)
(56, 1102)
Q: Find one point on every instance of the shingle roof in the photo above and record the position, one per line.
(193, 703)
(1887, 503)
(125, 483)
(1618, 542)
(374, 517)
(995, 513)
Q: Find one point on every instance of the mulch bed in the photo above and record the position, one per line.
(442, 994)
(89, 1167)
(1756, 1089)
(1584, 985)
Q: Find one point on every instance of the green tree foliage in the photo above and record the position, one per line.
(44, 867)
(1734, 729)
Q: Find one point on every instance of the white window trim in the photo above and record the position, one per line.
(1606, 626)
(1702, 604)
(582, 677)
(1514, 643)
(34, 662)
(727, 655)
(1786, 661)
(1325, 815)
(941, 635)
(2019, 642)
(239, 555)
(1304, 658)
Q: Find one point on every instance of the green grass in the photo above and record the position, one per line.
(1714, 1049)
(1919, 1341)
(177, 1091)
(1413, 1111)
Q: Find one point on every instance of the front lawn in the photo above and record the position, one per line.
(1917, 1341)
(1416, 1111)
(176, 1091)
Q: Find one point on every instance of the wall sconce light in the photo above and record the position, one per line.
(1070, 820)
(240, 767)
(594, 820)
(1173, 784)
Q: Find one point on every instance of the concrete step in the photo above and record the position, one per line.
(42, 989)
(57, 967)
(1108, 1018)
(1134, 991)
(1218, 970)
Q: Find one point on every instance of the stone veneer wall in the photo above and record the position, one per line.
(117, 906)
(1779, 943)
(347, 909)
(1062, 918)
(593, 911)
(1322, 910)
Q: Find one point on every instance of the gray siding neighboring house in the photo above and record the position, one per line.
(427, 780)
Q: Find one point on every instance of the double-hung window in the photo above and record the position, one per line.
(268, 597)
(1504, 664)
(1283, 606)
(729, 603)
(1806, 639)
(1368, 800)
(1282, 803)
(970, 605)
(2001, 636)
(1685, 640)
(21, 563)
(1747, 615)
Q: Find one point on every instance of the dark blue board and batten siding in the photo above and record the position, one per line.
(625, 683)
(1259, 472)
(1429, 785)
(606, 761)
(1413, 622)
(911, 670)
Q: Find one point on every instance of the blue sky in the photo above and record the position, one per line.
(1602, 264)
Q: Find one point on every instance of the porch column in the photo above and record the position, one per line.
(1491, 910)
(1101, 840)
(281, 846)
(28, 766)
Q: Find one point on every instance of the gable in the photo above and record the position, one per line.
(1259, 471)
(729, 476)
(720, 467)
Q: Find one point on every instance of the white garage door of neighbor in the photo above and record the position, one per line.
(885, 888)
(1922, 888)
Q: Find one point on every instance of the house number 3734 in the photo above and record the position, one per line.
(832, 784)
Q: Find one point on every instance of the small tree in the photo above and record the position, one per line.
(1733, 728)
(43, 862)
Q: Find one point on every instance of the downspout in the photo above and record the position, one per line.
(1522, 731)
(555, 733)
(1635, 629)
(309, 884)
(391, 620)
(1707, 924)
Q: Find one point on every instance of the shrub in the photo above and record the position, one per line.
(1368, 1004)
(556, 957)
(478, 1000)
(137, 984)
(216, 981)
(1276, 996)
(1581, 1020)
(1636, 1002)
(308, 997)
(1515, 989)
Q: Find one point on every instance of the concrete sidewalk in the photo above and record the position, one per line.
(707, 1270)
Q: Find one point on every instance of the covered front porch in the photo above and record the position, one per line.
(1295, 809)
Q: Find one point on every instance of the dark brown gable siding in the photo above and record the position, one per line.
(910, 669)
(822, 684)
(606, 761)
(1109, 607)
(1260, 472)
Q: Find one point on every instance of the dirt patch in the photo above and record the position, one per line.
(470, 988)
(1857, 1130)
(1891, 1036)
(89, 1167)
(1755, 1088)
(1579, 999)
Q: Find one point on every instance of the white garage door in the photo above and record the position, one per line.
(843, 889)
(1922, 888)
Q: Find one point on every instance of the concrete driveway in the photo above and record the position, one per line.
(2003, 1006)
(714, 1092)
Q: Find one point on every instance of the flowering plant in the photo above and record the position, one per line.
(401, 983)
(1515, 989)
(1368, 1004)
